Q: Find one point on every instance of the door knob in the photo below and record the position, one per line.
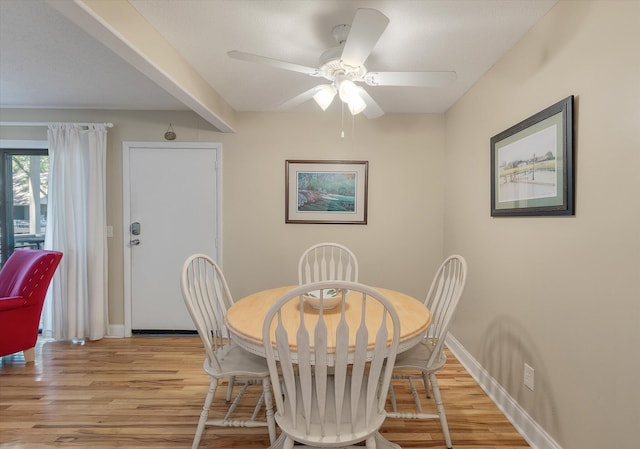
(134, 242)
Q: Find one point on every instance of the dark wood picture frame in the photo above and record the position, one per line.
(326, 192)
(532, 171)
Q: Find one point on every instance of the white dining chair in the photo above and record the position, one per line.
(207, 297)
(327, 262)
(428, 357)
(334, 384)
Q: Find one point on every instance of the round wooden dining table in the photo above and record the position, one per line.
(245, 317)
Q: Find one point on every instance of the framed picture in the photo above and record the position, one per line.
(329, 192)
(532, 165)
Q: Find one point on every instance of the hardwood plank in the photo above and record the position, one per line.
(147, 392)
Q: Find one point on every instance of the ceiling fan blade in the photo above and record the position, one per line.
(419, 79)
(372, 110)
(366, 29)
(301, 98)
(273, 62)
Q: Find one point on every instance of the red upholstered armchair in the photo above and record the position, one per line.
(24, 281)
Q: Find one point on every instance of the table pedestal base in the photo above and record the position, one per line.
(383, 443)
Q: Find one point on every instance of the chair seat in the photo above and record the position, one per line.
(335, 434)
(418, 356)
(13, 302)
(236, 361)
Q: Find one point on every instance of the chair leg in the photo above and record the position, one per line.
(204, 414)
(440, 408)
(29, 355)
(268, 405)
(232, 381)
(425, 379)
(392, 397)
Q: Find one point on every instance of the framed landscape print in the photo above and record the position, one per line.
(329, 192)
(532, 165)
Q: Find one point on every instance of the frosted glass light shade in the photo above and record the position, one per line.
(349, 94)
(356, 105)
(324, 96)
(348, 90)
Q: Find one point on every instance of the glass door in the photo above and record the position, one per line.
(23, 191)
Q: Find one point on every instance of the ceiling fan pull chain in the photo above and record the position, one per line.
(342, 122)
(353, 126)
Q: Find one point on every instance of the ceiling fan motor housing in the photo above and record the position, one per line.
(331, 65)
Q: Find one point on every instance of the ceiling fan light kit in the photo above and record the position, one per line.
(348, 93)
(356, 105)
(343, 65)
(324, 97)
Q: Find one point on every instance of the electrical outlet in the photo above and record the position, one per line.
(109, 231)
(528, 377)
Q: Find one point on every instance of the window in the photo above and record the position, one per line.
(23, 195)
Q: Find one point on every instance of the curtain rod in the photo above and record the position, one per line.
(108, 125)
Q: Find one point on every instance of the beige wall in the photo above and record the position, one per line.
(559, 293)
(400, 247)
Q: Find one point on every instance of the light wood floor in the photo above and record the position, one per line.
(147, 392)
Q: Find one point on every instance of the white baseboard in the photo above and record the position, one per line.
(528, 428)
(116, 331)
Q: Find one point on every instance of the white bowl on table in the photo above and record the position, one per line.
(330, 298)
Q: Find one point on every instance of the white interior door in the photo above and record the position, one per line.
(173, 192)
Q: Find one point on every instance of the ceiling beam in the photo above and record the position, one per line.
(120, 27)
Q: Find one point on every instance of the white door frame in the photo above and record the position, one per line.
(126, 208)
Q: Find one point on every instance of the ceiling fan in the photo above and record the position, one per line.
(343, 66)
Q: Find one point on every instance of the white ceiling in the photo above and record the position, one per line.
(47, 61)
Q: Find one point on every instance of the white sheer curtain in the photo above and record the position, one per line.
(77, 307)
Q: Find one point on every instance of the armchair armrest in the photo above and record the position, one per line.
(12, 302)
